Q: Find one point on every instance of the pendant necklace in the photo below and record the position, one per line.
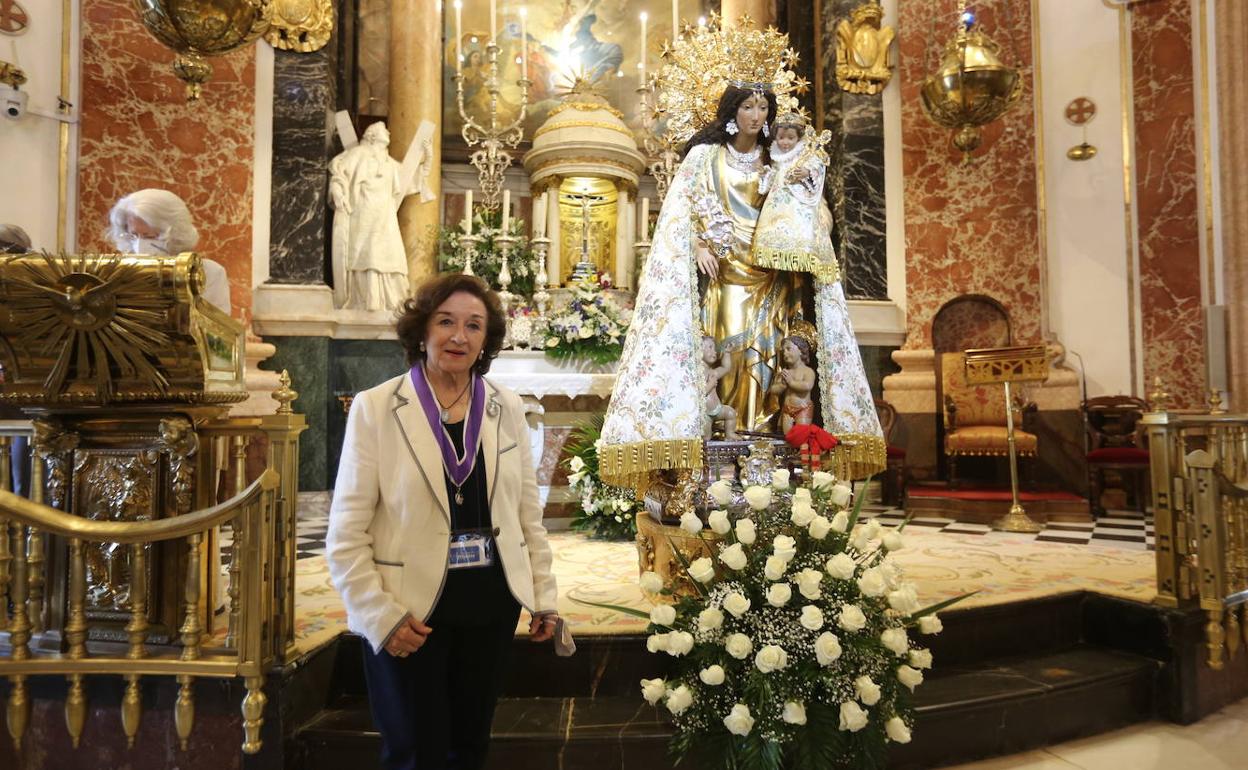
(444, 412)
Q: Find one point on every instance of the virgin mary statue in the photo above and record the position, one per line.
(723, 89)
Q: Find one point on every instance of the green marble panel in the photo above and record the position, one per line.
(307, 360)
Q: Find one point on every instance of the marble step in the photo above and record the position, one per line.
(965, 712)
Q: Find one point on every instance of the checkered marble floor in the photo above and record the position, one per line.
(1122, 529)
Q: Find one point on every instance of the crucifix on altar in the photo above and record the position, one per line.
(584, 268)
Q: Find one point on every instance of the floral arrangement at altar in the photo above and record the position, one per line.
(792, 643)
(606, 512)
(487, 260)
(590, 327)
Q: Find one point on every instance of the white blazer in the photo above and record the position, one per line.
(389, 525)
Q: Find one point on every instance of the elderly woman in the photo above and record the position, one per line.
(435, 534)
(156, 222)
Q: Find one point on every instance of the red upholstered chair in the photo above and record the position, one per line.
(1114, 443)
(893, 483)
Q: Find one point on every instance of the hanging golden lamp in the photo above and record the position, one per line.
(972, 87)
(196, 29)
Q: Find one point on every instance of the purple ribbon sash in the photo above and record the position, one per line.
(457, 467)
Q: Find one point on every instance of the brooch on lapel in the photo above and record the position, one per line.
(492, 408)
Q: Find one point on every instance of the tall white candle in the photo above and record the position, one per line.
(643, 222)
(644, 17)
(459, 36)
(1215, 344)
(675, 19)
(539, 215)
(493, 20)
(524, 42)
(506, 209)
(468, 212)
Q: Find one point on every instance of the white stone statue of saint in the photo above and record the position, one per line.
(366, 187)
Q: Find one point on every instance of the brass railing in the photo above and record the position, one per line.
(1199, 470)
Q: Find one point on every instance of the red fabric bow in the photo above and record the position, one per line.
(818, 439)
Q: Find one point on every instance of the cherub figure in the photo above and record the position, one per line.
(794, 384)
(717, 365)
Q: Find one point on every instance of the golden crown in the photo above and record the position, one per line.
(794, 119)
(706, 59)
(805, 330)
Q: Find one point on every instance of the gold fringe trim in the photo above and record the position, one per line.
(631, 465)
(796, 262)
(858, 456)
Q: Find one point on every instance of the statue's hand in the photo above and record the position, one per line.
(708, 263)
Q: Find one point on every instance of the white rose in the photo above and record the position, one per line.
(794, 713)
(734, 556)
(853, 718)
(802, 513)
(651, 582)
(710, 619)
(721, 492)
(774, 567)
(784, 546)
(736, 604)
(874, 529)
(758, 498)
(890, 570)
(746, 531)
(822, 480)
(820, 527)
(712, 675)
(780, 478)
(679, 699)
(905, 599)
(930, 624)
(872, 582)
(812, 618)
(801, 493)
(652, 690)
(719, 522)
(738, 646)
(690, 523)
(868, 691)
(576, 463)
(663, 615)
(841, 566)
(739, 721)
(657, 642)
(851, 618)
(827, 648)
(895, 640)
(910, 677)
(892, 541)
(702, 570)
(921, 658)
(840, 522)
(779, 594)
(679, 643)
(897, 730)
(839, 495)
(771, 658)
(860, 538)
(808, 581)
(586, 332)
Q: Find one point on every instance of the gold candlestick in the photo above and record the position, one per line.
(493, 140)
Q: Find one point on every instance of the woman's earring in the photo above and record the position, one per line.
(766, 131)
(731, 128)
(422, 347)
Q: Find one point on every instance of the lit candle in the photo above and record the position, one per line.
(643, 222)
(493, 20)
(468, 212)
(675, 19)
(644, 17)
(459, 36)
(524, 43)
(506, 209)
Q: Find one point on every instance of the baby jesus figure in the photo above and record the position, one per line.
(795, 384)
(717, 366)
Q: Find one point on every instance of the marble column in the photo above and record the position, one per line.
(304, 95)
(856, 174)
(1231, 25)
(415, 72)
(553, 231)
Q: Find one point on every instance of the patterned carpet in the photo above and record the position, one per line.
(944, 558)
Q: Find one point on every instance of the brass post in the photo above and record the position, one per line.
(136, 632)
(35, 548)
(76, 636)
(1017, 519)
(17, 714)
(283, 429)
(253, 714)
(184, 709)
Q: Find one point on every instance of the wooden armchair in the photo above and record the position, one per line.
(1115, 444)
(975, 422)
(893, 482)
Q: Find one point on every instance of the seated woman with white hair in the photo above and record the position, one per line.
(156, 222)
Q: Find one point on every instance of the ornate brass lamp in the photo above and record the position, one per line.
(195, 29)
(971, 88)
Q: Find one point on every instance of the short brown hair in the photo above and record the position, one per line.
(413, 323)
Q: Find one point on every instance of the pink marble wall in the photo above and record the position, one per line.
(970, 228)
(969, 323)
(139, 131)
(1166, 179)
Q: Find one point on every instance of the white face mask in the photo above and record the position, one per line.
(149, 246)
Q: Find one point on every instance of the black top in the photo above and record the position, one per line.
(473, 596)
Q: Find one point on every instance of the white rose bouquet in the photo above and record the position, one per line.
(606, 512)
(592, 326)
(801, 652)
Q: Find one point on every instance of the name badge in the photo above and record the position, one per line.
(471, 550)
